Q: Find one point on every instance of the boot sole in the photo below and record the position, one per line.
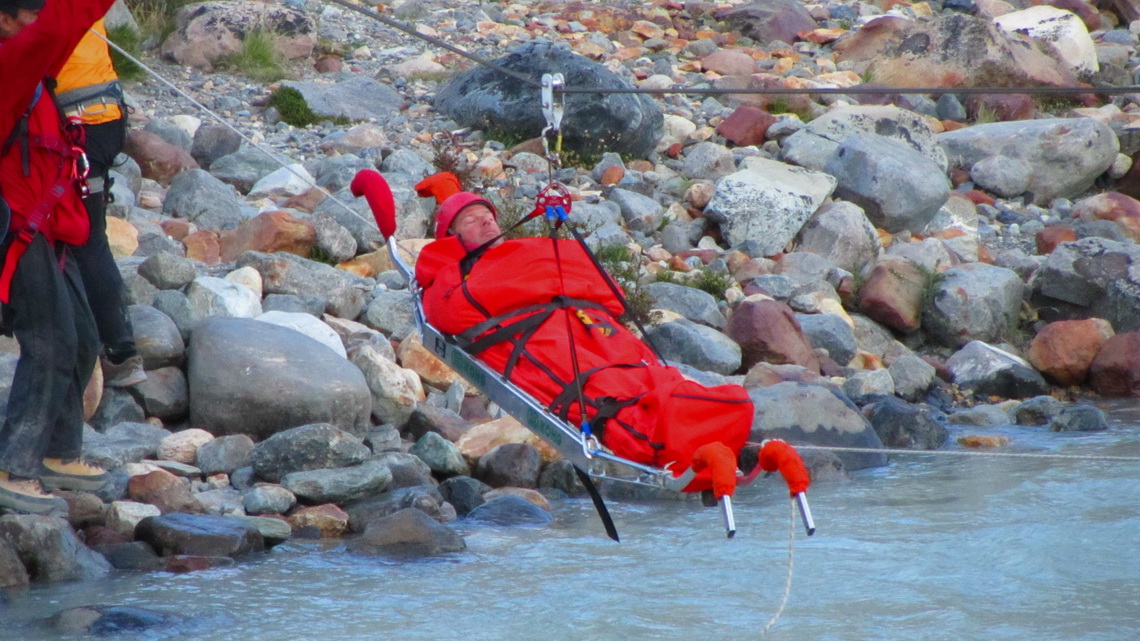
(57, 481)
(30, 504)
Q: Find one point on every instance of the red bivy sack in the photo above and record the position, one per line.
(516, 309)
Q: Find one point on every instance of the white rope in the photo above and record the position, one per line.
(221, 120)
(886, 450)
(788, 578)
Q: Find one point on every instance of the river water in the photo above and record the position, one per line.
(930, 547)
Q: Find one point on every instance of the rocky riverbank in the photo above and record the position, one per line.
(878, 266)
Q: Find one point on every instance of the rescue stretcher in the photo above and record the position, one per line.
(588, 456)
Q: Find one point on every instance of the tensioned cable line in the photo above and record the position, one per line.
(887, 450)
(860, 89)
(437, 42)
(244, 137)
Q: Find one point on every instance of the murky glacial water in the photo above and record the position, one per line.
(931, 547)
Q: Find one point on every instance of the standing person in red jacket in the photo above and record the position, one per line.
(44, 306)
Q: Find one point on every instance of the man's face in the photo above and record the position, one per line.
(475, 225)
(10, 26)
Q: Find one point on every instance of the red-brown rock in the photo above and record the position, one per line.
(1064, 350)
(328, 64)
(1048, 238)
(767, 330)
(729, 63)
(163, 490)
(269, 232)
(747, 125)
(1084, 10)
(158, 160)
(1120, 209)
(892, 294)
(1116, 369)
(330, 520)
(203, 245)
(1003, 107)
(176, 228)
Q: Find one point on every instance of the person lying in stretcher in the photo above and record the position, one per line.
(540, 312)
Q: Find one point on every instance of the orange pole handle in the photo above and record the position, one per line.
(776, 455)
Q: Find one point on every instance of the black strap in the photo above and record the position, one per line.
(599, 504)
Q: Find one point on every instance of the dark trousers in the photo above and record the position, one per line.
(101, 278)
(48, 314)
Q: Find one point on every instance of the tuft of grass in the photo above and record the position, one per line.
(625, 267)
(292, 106)
(430, 76)
(258, 58)
(986, 114)
(712, 282)
(155, 17)
(131, 42)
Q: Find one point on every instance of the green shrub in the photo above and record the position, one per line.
(131, 42)
(292, 106)
(155, 17)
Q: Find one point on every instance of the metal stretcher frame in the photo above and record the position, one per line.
(567, 439)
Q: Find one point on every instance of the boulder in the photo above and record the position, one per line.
(487, 99)
(248, 377)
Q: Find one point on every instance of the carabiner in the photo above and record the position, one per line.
(552, 105)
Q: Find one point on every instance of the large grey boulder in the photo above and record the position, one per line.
(813, 145)
(1065, 155)
(815, 415)
(203, 200)
(897, 187)
(974, 301)
(358, 98)
(840, 231)
(694, 304)
(285, 273)
(1091, 278)
(699, 346)
(489, 99)
(309, 447)
(50, 550)
(200, 535)
(407, 533)
(205, 32)
(248, 377)
(990, 371)
(767, 203)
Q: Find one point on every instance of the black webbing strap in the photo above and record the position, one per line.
(599, 504)
(616, 291)
(468, 341)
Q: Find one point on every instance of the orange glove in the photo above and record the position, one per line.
(439, 186)
(778, 455)
(720, 460)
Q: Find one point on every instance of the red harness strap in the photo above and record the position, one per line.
(72, 174)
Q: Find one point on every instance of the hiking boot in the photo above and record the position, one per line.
(129, 372)
(57, 474)
(28, 497)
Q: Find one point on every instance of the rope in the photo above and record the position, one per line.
(221, 120)
(788, 578)
(727, 91)
(889, 450)
(438, 42)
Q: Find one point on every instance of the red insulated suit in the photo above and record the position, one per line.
(650, 413)
(38, 51)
